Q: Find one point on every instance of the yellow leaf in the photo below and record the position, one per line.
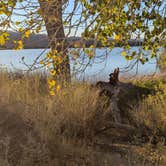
(117, 37)
(20, 29)
(19, 44)
(48, 55)
(51, 83)
(52, 72)
(129, 58)
(5, 34)
(27, 33)
(55, 52)
(42, 62)
(123, 53)
(38, 29)
(58, 88)
(17, 23)
(2, 40)
(59, 60)
(91, 46)
(52, 93)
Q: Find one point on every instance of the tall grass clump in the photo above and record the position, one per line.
(150, 115)
(53, 124)
(75, 111)
(162, 61)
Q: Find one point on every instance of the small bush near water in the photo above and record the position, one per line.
(152, 111)
(162, 61)
(37, 129)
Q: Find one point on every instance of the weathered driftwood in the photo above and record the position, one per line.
(112, 90)
(121, 96)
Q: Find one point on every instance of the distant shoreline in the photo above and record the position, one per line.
(25, 48)
(40, 41)
(28, 48)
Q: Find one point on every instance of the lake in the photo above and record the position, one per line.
(99, 69)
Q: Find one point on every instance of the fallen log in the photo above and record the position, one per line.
(121, 95)
(112, 90)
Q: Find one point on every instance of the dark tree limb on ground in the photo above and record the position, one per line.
(121, 99)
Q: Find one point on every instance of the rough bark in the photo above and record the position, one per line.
(111, 89)
(52, 14)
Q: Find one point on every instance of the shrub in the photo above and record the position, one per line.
(162, 61)
(150, 116)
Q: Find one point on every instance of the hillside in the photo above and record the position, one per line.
(41, 41)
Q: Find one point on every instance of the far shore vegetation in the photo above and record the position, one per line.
(39, 41)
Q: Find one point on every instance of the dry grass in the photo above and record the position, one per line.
(75, 111)
(162, 61)
(61, 130)
(150, 116)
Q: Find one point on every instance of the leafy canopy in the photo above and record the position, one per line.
(117, 21)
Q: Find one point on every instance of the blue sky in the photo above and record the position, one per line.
(67, 10)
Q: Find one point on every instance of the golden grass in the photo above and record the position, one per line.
(59, 128)
(162, 61)
(151, 113)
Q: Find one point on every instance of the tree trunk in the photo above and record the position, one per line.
(52, 14)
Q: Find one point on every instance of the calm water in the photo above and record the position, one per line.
(100, 69)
